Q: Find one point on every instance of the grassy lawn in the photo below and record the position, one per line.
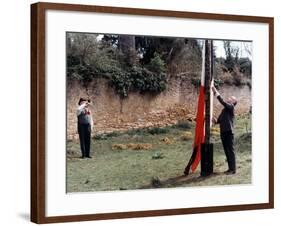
(151, 158)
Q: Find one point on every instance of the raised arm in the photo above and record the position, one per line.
(80, 109)
(225, 104)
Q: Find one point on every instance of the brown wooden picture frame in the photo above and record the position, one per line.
(38, 95)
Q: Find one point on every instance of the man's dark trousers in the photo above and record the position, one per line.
(227, 142)
(84, 131)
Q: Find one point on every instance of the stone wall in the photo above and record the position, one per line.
(110, 113)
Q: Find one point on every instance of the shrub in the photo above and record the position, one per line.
(238, 78)
(235, 77)
(135, 131)
(196, 82)
(146, 81)
(249, 83)
(113, 134)
(137, 79)
(156, 64)
(183, 125)
(123, 78)
(227, 78)
(121, 82)
(157, 130)
(218, 83)
(100, 137)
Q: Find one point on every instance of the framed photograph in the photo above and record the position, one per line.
(141, 112)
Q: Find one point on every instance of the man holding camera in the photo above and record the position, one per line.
(85, 125)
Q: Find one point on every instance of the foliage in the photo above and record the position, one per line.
(144, 80)
(245, 66)
(183, 125)
(88, 58)
(137, 79)
(218, 83)
(132, 132)
(196, 82)
(235, 70)
(156, 64)
(141, 63)
(113, 134)
(121, 82)
(157, 130)
(100, 137)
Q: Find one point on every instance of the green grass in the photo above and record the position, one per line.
(161, 166)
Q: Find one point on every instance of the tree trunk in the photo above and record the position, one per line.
(127, 46)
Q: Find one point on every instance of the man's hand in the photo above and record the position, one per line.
(215, 91)
(214, 120)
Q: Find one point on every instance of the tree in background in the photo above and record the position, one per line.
(115, 58)
(234, 69)
(144, 63)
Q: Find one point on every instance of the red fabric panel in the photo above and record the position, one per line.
(199, 129)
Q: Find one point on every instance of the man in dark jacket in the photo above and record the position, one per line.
(225, 120)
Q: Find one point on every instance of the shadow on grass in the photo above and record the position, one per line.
(179, 181)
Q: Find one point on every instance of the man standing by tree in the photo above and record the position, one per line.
(225, 120)
(85, 124)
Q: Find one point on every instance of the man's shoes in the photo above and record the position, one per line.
(82, 157)
(89, 157)
(229, 172)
